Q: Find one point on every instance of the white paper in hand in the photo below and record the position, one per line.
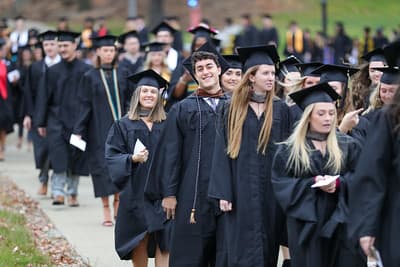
(139, 147)
(77, 142)
(13, 76)
(325, 182)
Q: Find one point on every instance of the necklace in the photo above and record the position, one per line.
(317, 136)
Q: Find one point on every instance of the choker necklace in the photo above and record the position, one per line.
(260, 99)
(143, 112)
(317, 136)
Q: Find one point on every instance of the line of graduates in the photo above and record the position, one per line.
(225, 178)
(230, 176)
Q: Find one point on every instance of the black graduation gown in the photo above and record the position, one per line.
(254, 225)
(57, 109)
(132, 222)
(6, 105)
(33, 77)
(93, 123)
(315, 219)
(374, 196)
(177, 158)
(127, 68)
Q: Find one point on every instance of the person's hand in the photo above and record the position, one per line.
(366, 243)
(225, 205)
(186, 77)
(169, 206)
(330, 188)
(27, 123)
(42, 131)
(350, 120)
(140, 157)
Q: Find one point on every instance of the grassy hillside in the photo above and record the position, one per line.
(355, 14)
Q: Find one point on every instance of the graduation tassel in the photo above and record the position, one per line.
(192, 219)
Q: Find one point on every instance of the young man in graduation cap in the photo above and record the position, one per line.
(183, 165)
(34, 74)
(132, 61)
(164, 33)
(56, 109)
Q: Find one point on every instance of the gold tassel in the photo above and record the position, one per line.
(192, 219)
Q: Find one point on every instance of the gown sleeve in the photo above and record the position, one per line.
(119, 160)
(368, 186)
(43, 98)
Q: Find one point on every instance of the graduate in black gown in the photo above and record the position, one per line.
(184, 159)
(6, 109)
(132, 60)
(349, 121)
(231, 74)
(56, 110)
(374, 197)
(250, 125)
(134, 236)
(316, 152)
(101, 102)
(385, 92)
(33, 77)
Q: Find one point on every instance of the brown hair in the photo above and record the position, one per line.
(361, 87)
(238, 112)
(157, 114)
(394, 109)
(202, 55)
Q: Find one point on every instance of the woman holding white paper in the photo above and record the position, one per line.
(315, 153)
(139, 229)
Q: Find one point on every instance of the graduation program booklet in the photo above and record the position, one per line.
(138, 147)
(325, 182)
(77, 142)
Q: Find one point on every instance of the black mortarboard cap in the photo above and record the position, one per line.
(216, 42)
(375, 55)
(258, 55)
(337, 73)
(203, 30)
(233, 62)
(163, 26)
(48, 36)
(67, 36)
(307, 68)
(149, 78)
(122, 38)
(392, 54)
(153, 46)
(320, 93)
(288, 65)
(389, 75)
(106, 40)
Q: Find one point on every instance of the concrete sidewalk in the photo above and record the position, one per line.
(81, 226)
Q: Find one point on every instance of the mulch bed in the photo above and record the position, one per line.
(47, 238)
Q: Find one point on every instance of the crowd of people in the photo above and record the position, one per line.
(214, 159)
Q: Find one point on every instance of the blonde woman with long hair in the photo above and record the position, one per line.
(137, 228)
(241, 172)
(309, 176)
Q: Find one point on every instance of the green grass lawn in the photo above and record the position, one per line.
(16, 244)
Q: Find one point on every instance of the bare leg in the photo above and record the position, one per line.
(140, 257)
(107, 212)
(286, 256)
(116, 205)
(3, 135)
(162, 258)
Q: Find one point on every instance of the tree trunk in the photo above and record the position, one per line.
(156, 12)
